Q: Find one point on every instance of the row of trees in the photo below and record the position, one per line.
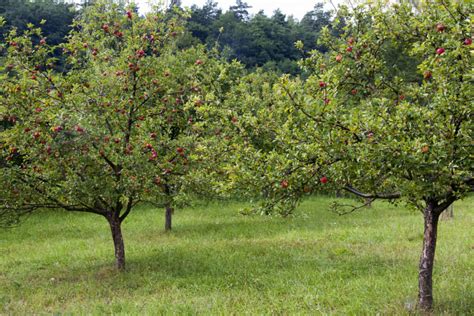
(132, 118)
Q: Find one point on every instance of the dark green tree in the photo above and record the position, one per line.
(312, 24)
(57, 14)
(201, 23)
(240, 9)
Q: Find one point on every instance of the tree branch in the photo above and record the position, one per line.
(382, 196)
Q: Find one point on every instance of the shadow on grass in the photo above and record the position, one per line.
(238, 260)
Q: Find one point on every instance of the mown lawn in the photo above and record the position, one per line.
(219, 262)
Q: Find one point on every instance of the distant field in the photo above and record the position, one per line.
(219, 262)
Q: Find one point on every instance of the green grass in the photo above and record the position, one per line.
(219, 262)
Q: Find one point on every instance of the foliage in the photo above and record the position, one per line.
(382, 110)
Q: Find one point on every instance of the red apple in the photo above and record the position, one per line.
(322, 84)
(349, 49)
(42, 41)
(427, 74)
(440, 51)
(323, 180)
(440, 27)
(199, 62)
(79, 129)
(105, 27)
(140, 53)
(339, 58)
(129, 15)
(284, 184)
(468, 41)
(354, 91)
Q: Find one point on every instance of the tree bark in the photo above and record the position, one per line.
(116, 229)
(425, 277)
(168, 217)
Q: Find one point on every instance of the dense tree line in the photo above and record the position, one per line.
(57, 17)
(255, 40)
(258, 40)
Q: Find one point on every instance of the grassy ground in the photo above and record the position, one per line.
(219, 262)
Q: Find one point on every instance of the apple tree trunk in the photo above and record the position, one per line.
(116, 229)
(168, 217)
(425, 277)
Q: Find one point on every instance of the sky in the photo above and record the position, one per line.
(297, 8)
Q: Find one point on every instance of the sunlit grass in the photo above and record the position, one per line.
(217, 261)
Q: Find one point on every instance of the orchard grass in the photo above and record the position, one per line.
(217, 261)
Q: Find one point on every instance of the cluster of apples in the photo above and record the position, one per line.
(440, 28)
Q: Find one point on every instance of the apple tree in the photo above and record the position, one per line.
(125, 124)
(274, 158)
(386, 113)
(402, 136)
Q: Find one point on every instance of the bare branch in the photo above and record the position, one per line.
(336, 206)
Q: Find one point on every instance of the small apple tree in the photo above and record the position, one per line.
(124, 125)
(275, 158)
